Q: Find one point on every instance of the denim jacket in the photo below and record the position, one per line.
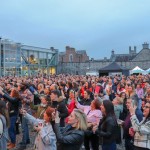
(45, 139)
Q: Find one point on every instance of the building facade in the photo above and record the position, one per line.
(130, 60)
(19, 60)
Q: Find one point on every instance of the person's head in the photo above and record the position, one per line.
(96, 95)
(9, 86)
(87, 94)
(95, 104)
(78, 120)
(93, 83)
(117, 101)
(110, 82)
(48, 114)
(87, 84)
(107, 108)
(122, 95)
(71, 94)
(53, 87)
(130, 88)
(40, 86)
(131, 102)
(146, 110)
(14, 93)
(69, 85)
(22, 86)
(44, 99)
(138, 86)
(54, 95)
(47, 91)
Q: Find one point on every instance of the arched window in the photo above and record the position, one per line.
(70, 58)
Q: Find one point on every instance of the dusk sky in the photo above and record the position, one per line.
(97, 26)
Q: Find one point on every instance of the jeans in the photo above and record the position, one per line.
(111, 146)
(11, 130)
(139, 104)
(25, 130)
(129, 144)
(94, 140)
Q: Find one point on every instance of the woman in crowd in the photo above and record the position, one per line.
(46, 139)
(4, 118)
(86, 100)
(93, 117)
(124, 113)
(71, 101)
(72, 136)
(13, 108)
(141, 129)
(107, 126)
(118, 106)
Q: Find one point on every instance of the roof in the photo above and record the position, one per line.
(81, 52)
(62, 53)
(122, 57)
(113, 67)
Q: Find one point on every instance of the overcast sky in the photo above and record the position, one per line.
(97, 26)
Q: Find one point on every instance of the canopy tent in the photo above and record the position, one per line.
(137, 70)
(113, 69)
(148, 70)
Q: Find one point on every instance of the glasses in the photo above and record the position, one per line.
(146, 106)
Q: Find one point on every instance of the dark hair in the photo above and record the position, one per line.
(97, 104)
(109, 108)
(55, 92)
(49, 112)
(88, 92)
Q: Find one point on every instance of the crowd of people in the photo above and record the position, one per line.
(71, 112)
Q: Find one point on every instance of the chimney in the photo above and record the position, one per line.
(112, 52)
(134, 49)
(105, 58)
(67, 47)
(145, 45)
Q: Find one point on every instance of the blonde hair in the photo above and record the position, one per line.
(81, 117)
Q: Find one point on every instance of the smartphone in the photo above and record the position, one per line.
(31, 88)
(133, 103)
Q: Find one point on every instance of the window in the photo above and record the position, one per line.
(70, 58)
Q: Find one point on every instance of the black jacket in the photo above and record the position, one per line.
(68, 138)
(62, 109)
(13, 105)
(107, 129)
(86, 102)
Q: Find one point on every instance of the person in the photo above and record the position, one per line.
(118, 106)
(124, 113)
(93, 117)
(4, 118)
(86, 100)
(71, 137)
(45, 139)
(107, 126)
(58, 103)
(13, 104)
(141, 129)
(27, 98)
(127, 124)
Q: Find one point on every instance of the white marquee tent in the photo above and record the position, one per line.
(137, 70)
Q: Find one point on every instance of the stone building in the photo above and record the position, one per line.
(73, 56)
(72, 65)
